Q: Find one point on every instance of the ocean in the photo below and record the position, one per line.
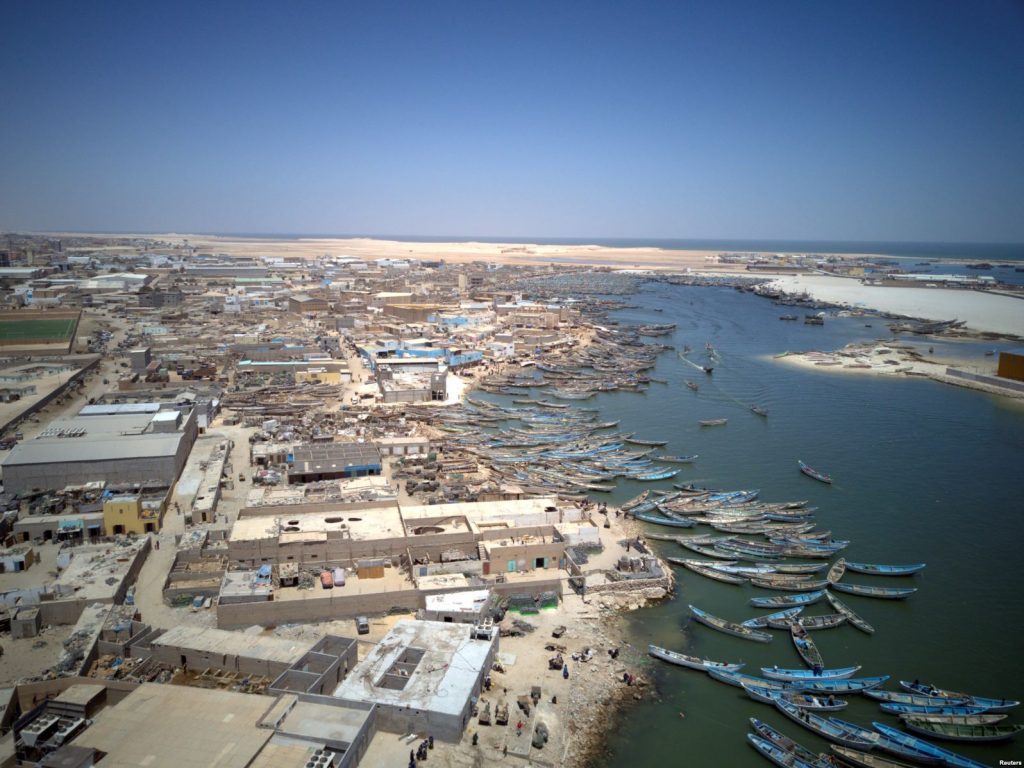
(923, 472)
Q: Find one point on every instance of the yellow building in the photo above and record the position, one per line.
(137, 513)
(321, 375)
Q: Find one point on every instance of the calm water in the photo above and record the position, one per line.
(923, 472)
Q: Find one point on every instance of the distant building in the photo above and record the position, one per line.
(330, 461)
(303, 303)
(127, 443)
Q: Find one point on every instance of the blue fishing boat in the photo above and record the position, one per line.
(803, 700)
(828, 729)
(885, 593)
(902, 697)
(792, 675)
(739, 679)
(777, 754)
(678, 459)
(850, 685)
(779, 739)
(665, 474)
(885, 570)
(948, 758)
(993, 705)
(788, 601)
(952, 710)
(760, 622)
(672, 522)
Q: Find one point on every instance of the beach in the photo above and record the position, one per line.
(982, 312)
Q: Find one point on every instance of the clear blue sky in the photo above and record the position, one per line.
(834, 120)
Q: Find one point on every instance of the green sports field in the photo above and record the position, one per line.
(37, 330)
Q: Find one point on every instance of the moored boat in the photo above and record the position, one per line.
(835, 573)
(827, 729)
(805, 646)
(794, 675)
(779, 755)
(956, 732)
(886, 570)
(713, 422)
(954, 710)
(759, 622)
(995, 705)
(787, 601)
(693, 662)
(885, 593)
(851, 685)
(811, 472)
(779, 739)
(767, 695)
(729, 627)
(854, 618)
(707, 572)
(678, 459)
(902, 697)
(982, 719)
(810, 623)
(859, 759)
(795, 584)
(671, 522)
(913, 742)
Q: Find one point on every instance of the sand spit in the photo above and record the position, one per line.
(882, 358)
(981, 311)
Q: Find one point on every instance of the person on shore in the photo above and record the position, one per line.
(565, 671)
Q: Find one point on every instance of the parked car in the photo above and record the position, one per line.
(362, 625)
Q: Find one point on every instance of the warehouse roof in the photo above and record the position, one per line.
(324, 457)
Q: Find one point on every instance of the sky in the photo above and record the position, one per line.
(842, 120)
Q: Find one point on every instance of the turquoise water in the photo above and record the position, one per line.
(923, 472)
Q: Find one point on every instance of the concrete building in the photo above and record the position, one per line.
(466, 607)
(423, 677)
(330, 461)
(200, 648)
(136, 443)
(136, 512)
(303, 303)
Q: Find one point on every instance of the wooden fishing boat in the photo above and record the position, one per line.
(859, 759)
(788, 601)
(852, 617)
(805, 646)
(785, 743)
(802, 700)
(692, 385)
(710, 573)
(738, 679)
(951, 710)
(948, 731)
(678, 459)
(811, 472)
(794, 584)
(707, 551)
(835, 573)
(886, 570)
(884, 593)
(920, 745)
(714, 422)
(799, 567)
(665, 474)
(788, 317)
(984, 719)
(759, 411)
(811, 623)
(728, 627)
(654, 443)
(693, 662)
(902, 697)
(995, 705)
(777, 754)
(827, 729)
(850, 685)
(796, 675)
(636, 501)
(760, 622)
(672, 522)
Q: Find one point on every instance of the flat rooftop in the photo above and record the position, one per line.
(489, 513)
(235, 643)
(445, 673)
(93, 564)
(361, 525)
(173, 726)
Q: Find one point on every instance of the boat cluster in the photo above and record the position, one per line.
(808, 695)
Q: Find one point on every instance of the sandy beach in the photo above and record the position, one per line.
(982, 312)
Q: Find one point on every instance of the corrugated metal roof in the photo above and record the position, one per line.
(93, 448)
